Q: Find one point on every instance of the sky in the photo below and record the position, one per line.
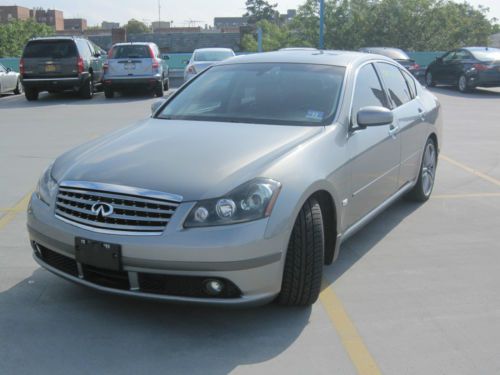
(179, 11)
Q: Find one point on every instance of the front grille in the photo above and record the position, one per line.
(58, 261)
(107, 278)
(133, 214)
(183, 286)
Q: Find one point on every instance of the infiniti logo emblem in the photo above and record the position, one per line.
(102, 209)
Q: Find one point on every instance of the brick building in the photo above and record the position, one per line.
(10, 13)
(51, 17)
(75, 24)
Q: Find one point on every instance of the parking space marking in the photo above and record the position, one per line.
(12, 212)
(470, 170)
(465, 195)
(351, 340)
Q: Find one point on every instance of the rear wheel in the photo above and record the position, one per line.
(304, 260)
(166, 84)
(425, 183)
(31, 94)
(429, 79)
(87, 90)
(462, 84)
(19, 88)
(159, 90)
(109, 93)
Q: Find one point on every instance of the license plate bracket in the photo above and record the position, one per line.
(98, 254)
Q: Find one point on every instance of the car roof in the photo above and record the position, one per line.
(60, 37)
(133, 44)
(381, 48)
(336, 58)
(480, 49)
(213, 49)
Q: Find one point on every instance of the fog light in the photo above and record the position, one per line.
(213, 287)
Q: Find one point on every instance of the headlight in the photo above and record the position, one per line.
(251, 201)
(46, 186)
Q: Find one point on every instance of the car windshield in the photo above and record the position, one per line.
(262, 93)
(395, 54)
(130, 51)
(492, 54)
(212, 55)
(52, 49)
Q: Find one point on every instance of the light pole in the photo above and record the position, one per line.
(321, 24)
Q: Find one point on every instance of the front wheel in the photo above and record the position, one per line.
(429, 79)
(304, 259)
(422, 190)
(87, 90)
(19, 88)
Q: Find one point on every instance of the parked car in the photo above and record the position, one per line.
(466, 68)
(132, 65)
(203, 58)
(398, 55)
(10, 81)
(57, 64)
(243, 183)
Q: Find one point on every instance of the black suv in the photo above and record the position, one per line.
(56, 64)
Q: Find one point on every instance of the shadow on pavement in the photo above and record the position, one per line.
(363, 241)
(60, 328)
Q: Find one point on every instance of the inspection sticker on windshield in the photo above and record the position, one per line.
(315, 115)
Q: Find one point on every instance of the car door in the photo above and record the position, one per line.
(409, 116)
(96, 61)
(441, 71)
(3, 79)
(374, 152)
(461, 58)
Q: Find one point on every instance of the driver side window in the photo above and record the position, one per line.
(368, 91)
(449, 56)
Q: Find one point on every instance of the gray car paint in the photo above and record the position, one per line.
(363, 171)
(8, 80)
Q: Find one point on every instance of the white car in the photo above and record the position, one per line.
(203, 58)
(9, 81)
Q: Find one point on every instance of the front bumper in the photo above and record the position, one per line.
(249, 264)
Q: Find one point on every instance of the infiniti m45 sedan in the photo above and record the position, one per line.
(243, 183)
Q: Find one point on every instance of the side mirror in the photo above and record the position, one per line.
(185, 62)
(156, 105)
(97, 54)
(374, 116)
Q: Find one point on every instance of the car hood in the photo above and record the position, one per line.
(193, 159)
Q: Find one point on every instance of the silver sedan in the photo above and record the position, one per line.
(9, 81)
(243, 183)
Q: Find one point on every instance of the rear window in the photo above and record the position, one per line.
(130, 51)
(262, 93)
(492, 54)
(212, 55)
(53, 49)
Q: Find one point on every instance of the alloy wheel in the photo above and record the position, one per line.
(428, 169)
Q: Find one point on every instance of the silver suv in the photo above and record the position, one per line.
(132, 65)
(243, 183)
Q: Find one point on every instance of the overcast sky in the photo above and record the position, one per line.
(180, 11)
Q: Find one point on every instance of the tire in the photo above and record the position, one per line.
(429, 79)
(166, 85)
(31, 94)
(19, 88)
(159, 90)
(87, 89)
(462, 84)
(304, 260)
(422, 190)
(109, 93)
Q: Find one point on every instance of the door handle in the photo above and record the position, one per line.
(422, 114)
(393, 130)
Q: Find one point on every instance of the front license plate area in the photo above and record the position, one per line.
(98, 254)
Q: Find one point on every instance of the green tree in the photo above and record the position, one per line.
(15, 34)
(134, 26)
(274, 37)
(258, 10)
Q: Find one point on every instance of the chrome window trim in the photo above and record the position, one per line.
(121, 189)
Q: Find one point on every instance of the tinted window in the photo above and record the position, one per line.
(368, 91)
(395, 84)
(289, 94)
(412, 86)
(84, 48)
(212, 55)
(130, 51)
(53, 49)
(491, 54)
(462, 55)
(449, 56)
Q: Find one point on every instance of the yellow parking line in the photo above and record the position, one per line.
(351, 340)
(470, 170)
(465, 195)
(12, 212)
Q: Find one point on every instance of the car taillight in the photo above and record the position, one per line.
(414, 67)
(480, 67)
(105, 67)
(156, 64)
(21, 66)
(191, 69)
(80, 67)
